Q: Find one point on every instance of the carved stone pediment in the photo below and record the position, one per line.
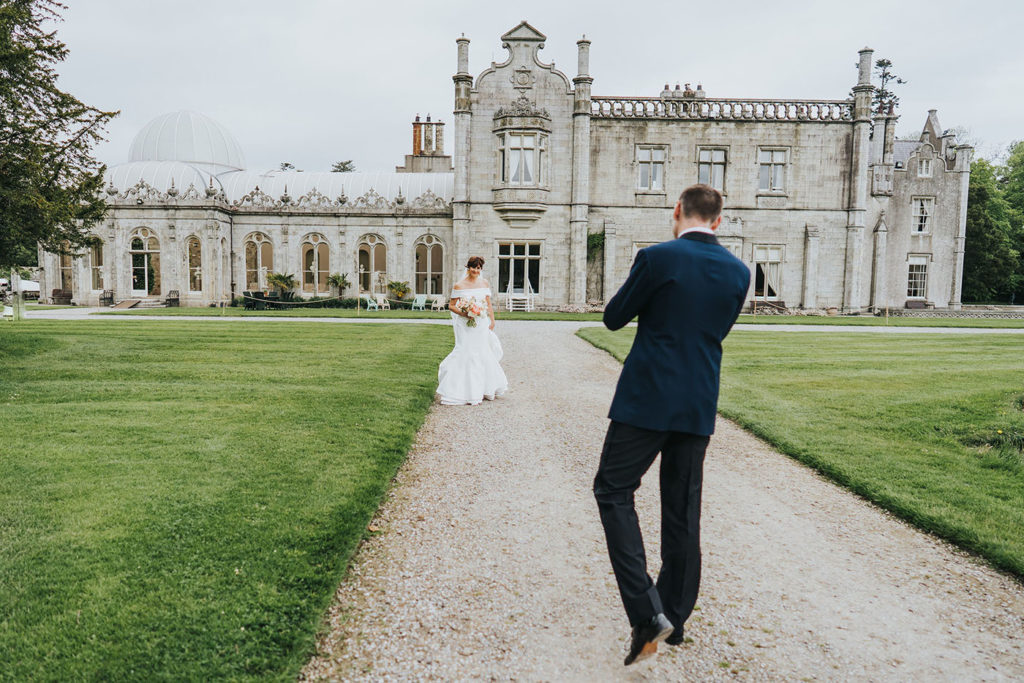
(142, 192)
(257, 198)
(315, 199)
(429, 200)
(522, 107)
(372, 200)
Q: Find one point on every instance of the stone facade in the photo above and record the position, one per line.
(824, 205)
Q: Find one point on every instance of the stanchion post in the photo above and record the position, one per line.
(17, 301)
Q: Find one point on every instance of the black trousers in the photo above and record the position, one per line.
(627, 455)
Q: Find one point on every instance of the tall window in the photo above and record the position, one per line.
(521, 158)
(917, 277)
(96, 266)
(259, 260)
(651, 163)
(145, 255)
(767, 272)
(195, 263)
(924, 207)
(64, 262)
(429, 265)
(924, 168)
(316, 264)
(711, 168)
(373, 264)
(519, 267)
(772, 174)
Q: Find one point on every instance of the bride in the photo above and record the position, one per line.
(471, 372)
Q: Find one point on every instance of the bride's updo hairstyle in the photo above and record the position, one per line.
(475, 262)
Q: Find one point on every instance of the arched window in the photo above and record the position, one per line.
(373, 264)
(429, 265)
(145, 255)
(259, 260)
(315, 264)
(195, 263)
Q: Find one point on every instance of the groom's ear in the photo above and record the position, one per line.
(677, 212)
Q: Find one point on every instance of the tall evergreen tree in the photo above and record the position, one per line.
(49, 182)
(992, 258)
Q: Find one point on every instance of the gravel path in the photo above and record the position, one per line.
(490, 562)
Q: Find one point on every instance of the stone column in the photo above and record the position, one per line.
(963, 167)
(810, 291)
(463, 123)
(611, 282)
(879, 289)
(859, 165)
(580, 177)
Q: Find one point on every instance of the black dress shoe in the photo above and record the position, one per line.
(646, 637)
(676, 638)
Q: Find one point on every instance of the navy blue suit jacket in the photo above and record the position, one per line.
(687, 293)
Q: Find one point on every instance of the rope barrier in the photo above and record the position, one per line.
(361, 298)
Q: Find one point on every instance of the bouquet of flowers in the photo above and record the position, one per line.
(472, 308)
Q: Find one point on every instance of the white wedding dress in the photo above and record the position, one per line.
(471, 372)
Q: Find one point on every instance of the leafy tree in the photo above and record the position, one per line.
(288, 166)
(884, 99)
(992, 253)
(49, 182)
(1013, 182)
(343, 166)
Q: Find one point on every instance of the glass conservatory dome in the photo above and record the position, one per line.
(188, 137)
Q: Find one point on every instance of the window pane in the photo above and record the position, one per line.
(643, 154)
(519, 249)
(779, 156)
(764, 157)
(658, 155)
(528, 141)
(515, 163)
(777, 178)
(503, 266)
(703, 173)
(436, 256)
(645, 176)
(380, 258)
(656, 173)
(763, 179)
(534, 250)
(154, 273)
(267, 256)
(527, 166)
(719, 155)
(421, 258)
(718, 178)
(504, 249)
(421, 283)
(307, 265)
(704, 155)
(137, 244)
(513, 140)
(152, 244)
(533, 266)
(364, 267)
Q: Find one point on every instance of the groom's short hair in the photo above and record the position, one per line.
(701, 201)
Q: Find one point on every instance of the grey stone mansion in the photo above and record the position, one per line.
(557, 188)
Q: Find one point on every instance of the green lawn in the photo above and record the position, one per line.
(300, 312)
(179, 501)
(928, 426)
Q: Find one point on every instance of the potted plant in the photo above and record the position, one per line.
(399, 289)
(339, 280)
(284, 283)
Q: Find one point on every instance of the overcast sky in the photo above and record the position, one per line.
(313, 82)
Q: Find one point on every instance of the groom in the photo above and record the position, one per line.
(687, 293)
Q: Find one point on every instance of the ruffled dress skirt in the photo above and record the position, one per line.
(471, 373)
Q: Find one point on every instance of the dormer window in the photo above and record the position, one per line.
(924, 168)
(521, 157)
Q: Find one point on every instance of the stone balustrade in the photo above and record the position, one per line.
(721, 109)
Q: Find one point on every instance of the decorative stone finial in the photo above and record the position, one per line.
(211, 192)
(286, 198)
(172, 191)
